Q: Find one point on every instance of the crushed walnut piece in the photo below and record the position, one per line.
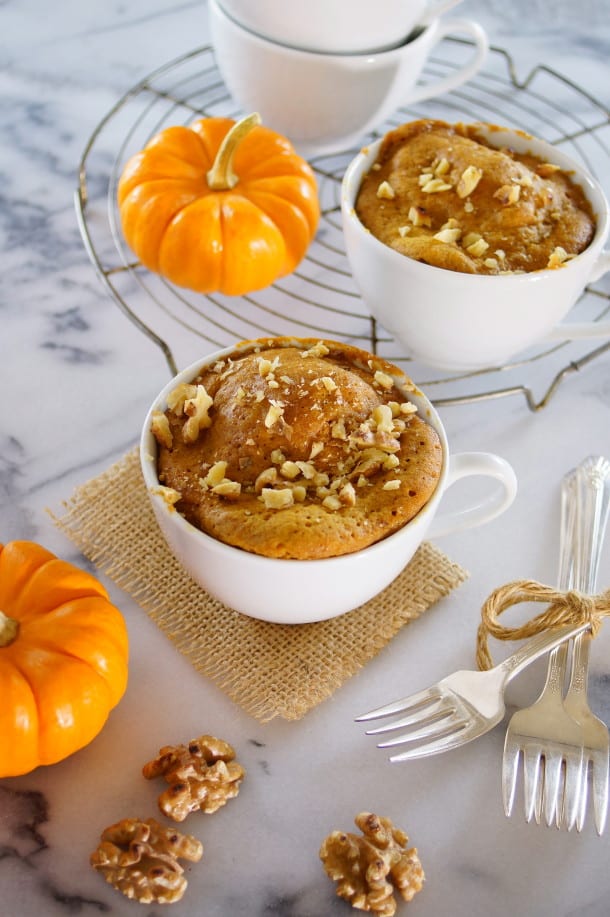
(369, 869)
(202, 775)
(140, 859)
(161, 430)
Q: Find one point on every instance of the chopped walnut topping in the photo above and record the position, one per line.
(419, 217)
(435, 185)
(216, 474)
(338, 430)
(448, 235)
(160, 429)
(332, 503)
(277, 457)
(391, 485)
(202, 775)
(478, 248)
(227, 488)
(170, 496)
(404, 231)
(197, 410)
(180, 394)
(347, 494)
(469, 179)
(442, 166)
(558, 257)
(383, 380)
(140, 859)
(491, 263)
(329, 384)
(316, 448)
(317, 350)
(368, 869)
(468, 207)
(508, 194)
(277, 499)
(385, 191)
(275, 413)
(383, 418)
(290, 470)
(266, 477)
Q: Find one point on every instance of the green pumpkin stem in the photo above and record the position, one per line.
(9, 629)
(221, 176)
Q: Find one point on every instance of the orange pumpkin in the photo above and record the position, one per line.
(63, 657)
(219, 206)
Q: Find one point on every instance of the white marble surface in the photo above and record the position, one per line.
(76, 380)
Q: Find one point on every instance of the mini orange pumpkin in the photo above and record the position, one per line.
(219, 206)
(63, 657)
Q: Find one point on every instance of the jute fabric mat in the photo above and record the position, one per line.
(268, 669)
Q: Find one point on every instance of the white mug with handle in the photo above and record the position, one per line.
(325, 103)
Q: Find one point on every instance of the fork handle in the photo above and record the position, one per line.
(539, 645)
(592, 505)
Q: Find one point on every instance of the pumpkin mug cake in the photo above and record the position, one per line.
(297, 449)
(294, 479)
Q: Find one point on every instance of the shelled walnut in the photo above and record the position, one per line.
(140, 859)
(201, 775)
(370, 868)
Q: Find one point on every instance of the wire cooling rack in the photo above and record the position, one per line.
(320, 297)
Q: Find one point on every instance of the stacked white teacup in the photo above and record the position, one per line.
(326, 72)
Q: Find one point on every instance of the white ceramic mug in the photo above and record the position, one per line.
(302, 591)
(335, 26)
(327, 102)
(462, 322)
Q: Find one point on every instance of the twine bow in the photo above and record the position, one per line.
(564, 608)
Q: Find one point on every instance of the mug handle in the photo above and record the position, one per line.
(574, 331)
(450, 27)
(434, 10)
(463, 465)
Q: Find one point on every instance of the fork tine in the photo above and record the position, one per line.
(423, 714)
(575, 789)
(600, 790)
(584, 798)
(510, 769)
(446, 742)
(412, 702)
(531, 780)
(550, 788)
(428, 728)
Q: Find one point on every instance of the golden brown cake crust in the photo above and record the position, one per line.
(495, 210)
(317, 425)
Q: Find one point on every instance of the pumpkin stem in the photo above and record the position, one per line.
(221, 176)
(9, 628)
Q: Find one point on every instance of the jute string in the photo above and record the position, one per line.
(268, 669)
(564, 608)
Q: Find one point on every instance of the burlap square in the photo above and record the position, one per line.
(268, 669)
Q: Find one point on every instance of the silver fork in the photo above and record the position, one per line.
(462, 706)
(560, 740)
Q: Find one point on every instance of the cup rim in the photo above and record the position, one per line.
(295, 53)
(148, 455)
(356, 168)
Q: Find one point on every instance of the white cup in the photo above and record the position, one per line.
(460, 322)
(301, 591)
(327, 102)
(335, 26)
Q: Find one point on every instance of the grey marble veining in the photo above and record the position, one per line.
(76, 378)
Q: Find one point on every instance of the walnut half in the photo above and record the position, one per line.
(201, 775)
(370, 868)
(140, 859)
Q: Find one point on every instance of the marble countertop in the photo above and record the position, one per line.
(91, 377)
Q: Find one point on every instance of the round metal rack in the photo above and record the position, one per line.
(320, 298)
